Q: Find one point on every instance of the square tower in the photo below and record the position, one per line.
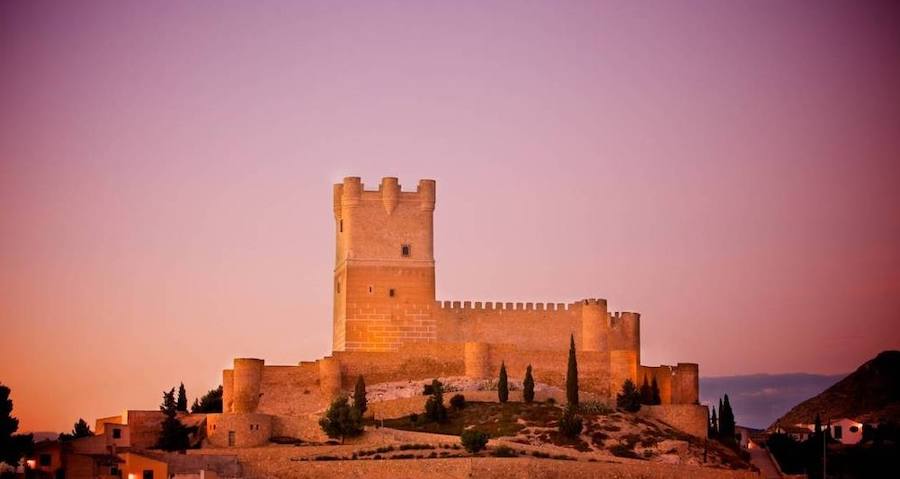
(384, 265)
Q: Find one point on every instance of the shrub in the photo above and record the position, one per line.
(570, 425)
(594, 408)
(504, 451)
(413, 418)
(629, 398)
(473, 440)
(359, 396)
(551, 401)
(541, 455)
(458, 401)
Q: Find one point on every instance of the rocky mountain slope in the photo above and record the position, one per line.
(869, 394)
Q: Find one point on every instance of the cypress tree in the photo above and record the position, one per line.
(713, 424)
(726, 421)
(181, 403)
(654, 392)
(502, 384)
(528, 386)
(359, 396)
(572, 375)
(646, 393)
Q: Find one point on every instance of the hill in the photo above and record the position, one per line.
(759, 399)
(869, 394)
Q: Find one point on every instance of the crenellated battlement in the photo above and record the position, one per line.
(352, 191)
(460, 306)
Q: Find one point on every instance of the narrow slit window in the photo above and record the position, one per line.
(404, 250)
(391, 292)
(338, 287)
(341, 226)
(370, 290)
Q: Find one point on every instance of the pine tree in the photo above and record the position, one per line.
(359, 396)
(174, 436)
(572, 374)
(181, 403)
(211, 402)
(646, 393)
(12, 446)
(528, 386)
(503, 384)
(654, 389)
(79, 430)
(630, 398)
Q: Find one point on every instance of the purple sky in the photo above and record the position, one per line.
(729, 169)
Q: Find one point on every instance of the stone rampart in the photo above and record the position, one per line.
(690, 418)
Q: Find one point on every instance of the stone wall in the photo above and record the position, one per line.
(249, 429)
(690, 418)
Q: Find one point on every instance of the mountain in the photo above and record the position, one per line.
(758, 399)
(869, 394)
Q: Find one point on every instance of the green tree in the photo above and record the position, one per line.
(528, 386)
(572, 374)
(211, 402)
(654, 392)
(181, 402)
(503, 384)
(12, 446)
(359, 396)
(341, 420)
(570, 425)
(629, 398)
(79, 430)
(434, 406)
(646, 392)
(473, 440)
(174, 436)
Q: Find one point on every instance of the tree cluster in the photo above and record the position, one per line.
(211, 402)
(722, 425)
(174, 436)
(342, 419)
(650, 392)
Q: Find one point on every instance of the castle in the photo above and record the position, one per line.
(388, 326)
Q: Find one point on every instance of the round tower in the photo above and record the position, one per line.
(227, 390)
(330, 377)
(594, 325)
(477, 359)
(247, 377)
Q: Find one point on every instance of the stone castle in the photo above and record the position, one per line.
(388, 326)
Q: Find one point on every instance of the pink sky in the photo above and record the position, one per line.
(729, 169)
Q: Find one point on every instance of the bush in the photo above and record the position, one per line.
(629, 398)
(413, 419)
(594, 408)
(504, 451)
(570, 425)
(551, 401)
(473, 440)
(540, 455)
(458, 401)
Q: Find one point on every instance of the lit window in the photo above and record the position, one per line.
(404, 250)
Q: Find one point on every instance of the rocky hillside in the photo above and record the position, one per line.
(869, 394)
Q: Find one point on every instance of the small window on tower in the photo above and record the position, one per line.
(338, 287)
(370, 290)
(391, 292)
(342, 226)
(404, 250)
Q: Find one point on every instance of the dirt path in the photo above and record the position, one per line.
(760, 458)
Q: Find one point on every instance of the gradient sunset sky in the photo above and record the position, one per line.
(728, 169)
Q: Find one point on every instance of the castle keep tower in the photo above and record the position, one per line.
(384, 265)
